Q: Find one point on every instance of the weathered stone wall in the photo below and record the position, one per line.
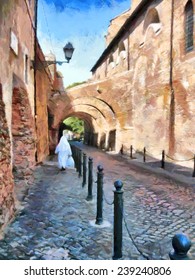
(7, 203)
(142, 93)
(184, 87)
(55, 111)
(23, 135)
(149, 61)
(18, 141)
(115, 25)
(16, 52)
(44, 81)
(102, 114)
(160, 93)
(16, 20)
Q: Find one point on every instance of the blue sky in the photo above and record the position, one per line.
(84, 23)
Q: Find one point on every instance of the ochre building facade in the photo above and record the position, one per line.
(142, 91)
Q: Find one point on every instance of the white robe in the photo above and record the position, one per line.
(63, 150)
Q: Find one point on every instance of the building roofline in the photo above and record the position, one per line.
(120, 33)
(120, 15)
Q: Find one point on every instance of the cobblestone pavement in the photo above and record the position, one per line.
(57, 222)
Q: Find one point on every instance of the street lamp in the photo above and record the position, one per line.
(68, 52)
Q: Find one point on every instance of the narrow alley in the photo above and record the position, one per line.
(56, 222)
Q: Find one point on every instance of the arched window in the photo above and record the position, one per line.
(121, 47)
(121, 52)
(152, 17)
(111, 59)
(189, 26)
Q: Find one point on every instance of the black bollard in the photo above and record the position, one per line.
(73, 152)
(84, 169)
(118, 219)
(122, 150)
(144, 155)
(163, 159)
(80, 153)
(100, 177)
(90, 179)
(181, 245)
(131, 151)
(193, 174)
(76, 158)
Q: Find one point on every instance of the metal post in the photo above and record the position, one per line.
(90, 179)
(73, 154)
(72, 149)
(100, 177)
(163, 159)
(76, 158)
(131, 151)
(80, 162)
(122, 150)
(118, 218)
(84, 169)
(193, 174)
(181, 245)
(144, 156)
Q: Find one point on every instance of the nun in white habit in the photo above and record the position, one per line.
(63, 150)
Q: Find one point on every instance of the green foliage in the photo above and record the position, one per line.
(75, 84)
(75, 124)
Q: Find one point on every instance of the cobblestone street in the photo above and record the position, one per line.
(57, 222)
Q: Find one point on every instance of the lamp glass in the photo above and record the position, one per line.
(68, 51)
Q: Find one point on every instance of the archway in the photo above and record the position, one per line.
(72, 127)
(99, 111)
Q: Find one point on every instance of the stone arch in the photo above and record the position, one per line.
(94, 101)
(100, 105)
(91, 135)
(98, 120)
(23, 132)
(151, 18)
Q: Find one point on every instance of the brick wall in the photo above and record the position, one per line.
(7, 203)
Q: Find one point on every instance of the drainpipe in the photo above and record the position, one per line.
(35, 64)
(128, 52)
(172, 93)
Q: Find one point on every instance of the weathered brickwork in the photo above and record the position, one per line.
(16, 51)
(7, 204)
(115, 25)
(23, 110)
(23, 134)
(44, 81)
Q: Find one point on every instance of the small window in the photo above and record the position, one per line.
(189, 27)
(121, 47)
(152, 17)
(111, 59)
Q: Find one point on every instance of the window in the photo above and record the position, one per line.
(189, 27)
(152, 17)
(111, 59)
(121, 47)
